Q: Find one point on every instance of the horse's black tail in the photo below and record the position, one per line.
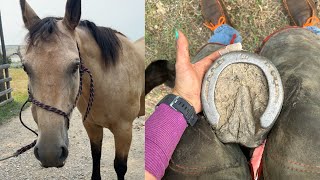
(159, 72)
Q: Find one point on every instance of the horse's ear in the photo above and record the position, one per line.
(73, 13)
(29, 16)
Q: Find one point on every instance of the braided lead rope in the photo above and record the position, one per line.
(20, 118)
(91, 95)
(21, 150)
(27, 147)
(83, 69)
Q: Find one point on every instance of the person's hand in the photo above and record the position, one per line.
(189, 76)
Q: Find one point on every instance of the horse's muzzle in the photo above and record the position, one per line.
(51, 157)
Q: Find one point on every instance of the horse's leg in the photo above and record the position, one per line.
(122, 136)
(95, 134)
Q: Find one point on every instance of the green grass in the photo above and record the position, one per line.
(19, 84)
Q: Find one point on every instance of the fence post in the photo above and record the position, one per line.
(4, 61)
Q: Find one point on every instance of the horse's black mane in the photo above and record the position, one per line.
(106, 38)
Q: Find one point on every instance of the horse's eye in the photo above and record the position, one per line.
(24, 68)
(75, 67)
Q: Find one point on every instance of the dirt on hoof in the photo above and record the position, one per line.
(241, 97)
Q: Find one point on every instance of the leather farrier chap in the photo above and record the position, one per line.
(292, 149)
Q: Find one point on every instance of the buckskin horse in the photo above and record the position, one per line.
(57, 51)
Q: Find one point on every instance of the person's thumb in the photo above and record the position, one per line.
(182, 49)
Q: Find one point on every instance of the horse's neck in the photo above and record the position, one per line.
(90, 51)
(130, 55)
(89, 47)
(126, 74)
(140, 46)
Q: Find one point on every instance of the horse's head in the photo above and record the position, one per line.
(52, 64)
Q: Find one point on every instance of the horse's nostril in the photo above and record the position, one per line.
(36, 152)
(51, 156)
(64, 153)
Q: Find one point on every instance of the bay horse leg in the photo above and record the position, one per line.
(95, 134)
(122, 136)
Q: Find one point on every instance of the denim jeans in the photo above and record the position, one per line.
(314, 29)
(224, 34)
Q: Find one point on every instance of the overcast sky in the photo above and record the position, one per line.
(126, 16)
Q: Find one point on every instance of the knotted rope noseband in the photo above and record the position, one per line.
(66, 115)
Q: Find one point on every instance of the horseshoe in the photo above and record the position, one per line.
(272, 75)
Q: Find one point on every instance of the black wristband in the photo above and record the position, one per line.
(181, 105)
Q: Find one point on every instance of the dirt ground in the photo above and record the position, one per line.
(78, 166)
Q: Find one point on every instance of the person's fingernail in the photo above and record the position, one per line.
(176, 34)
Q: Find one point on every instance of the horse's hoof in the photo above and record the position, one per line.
(242, 96)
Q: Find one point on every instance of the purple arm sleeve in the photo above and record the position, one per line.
(164, 129)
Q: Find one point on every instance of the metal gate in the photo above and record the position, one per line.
(5, 89)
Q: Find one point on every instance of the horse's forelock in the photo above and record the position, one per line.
(42, 30)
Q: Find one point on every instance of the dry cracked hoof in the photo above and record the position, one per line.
(242, 96)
